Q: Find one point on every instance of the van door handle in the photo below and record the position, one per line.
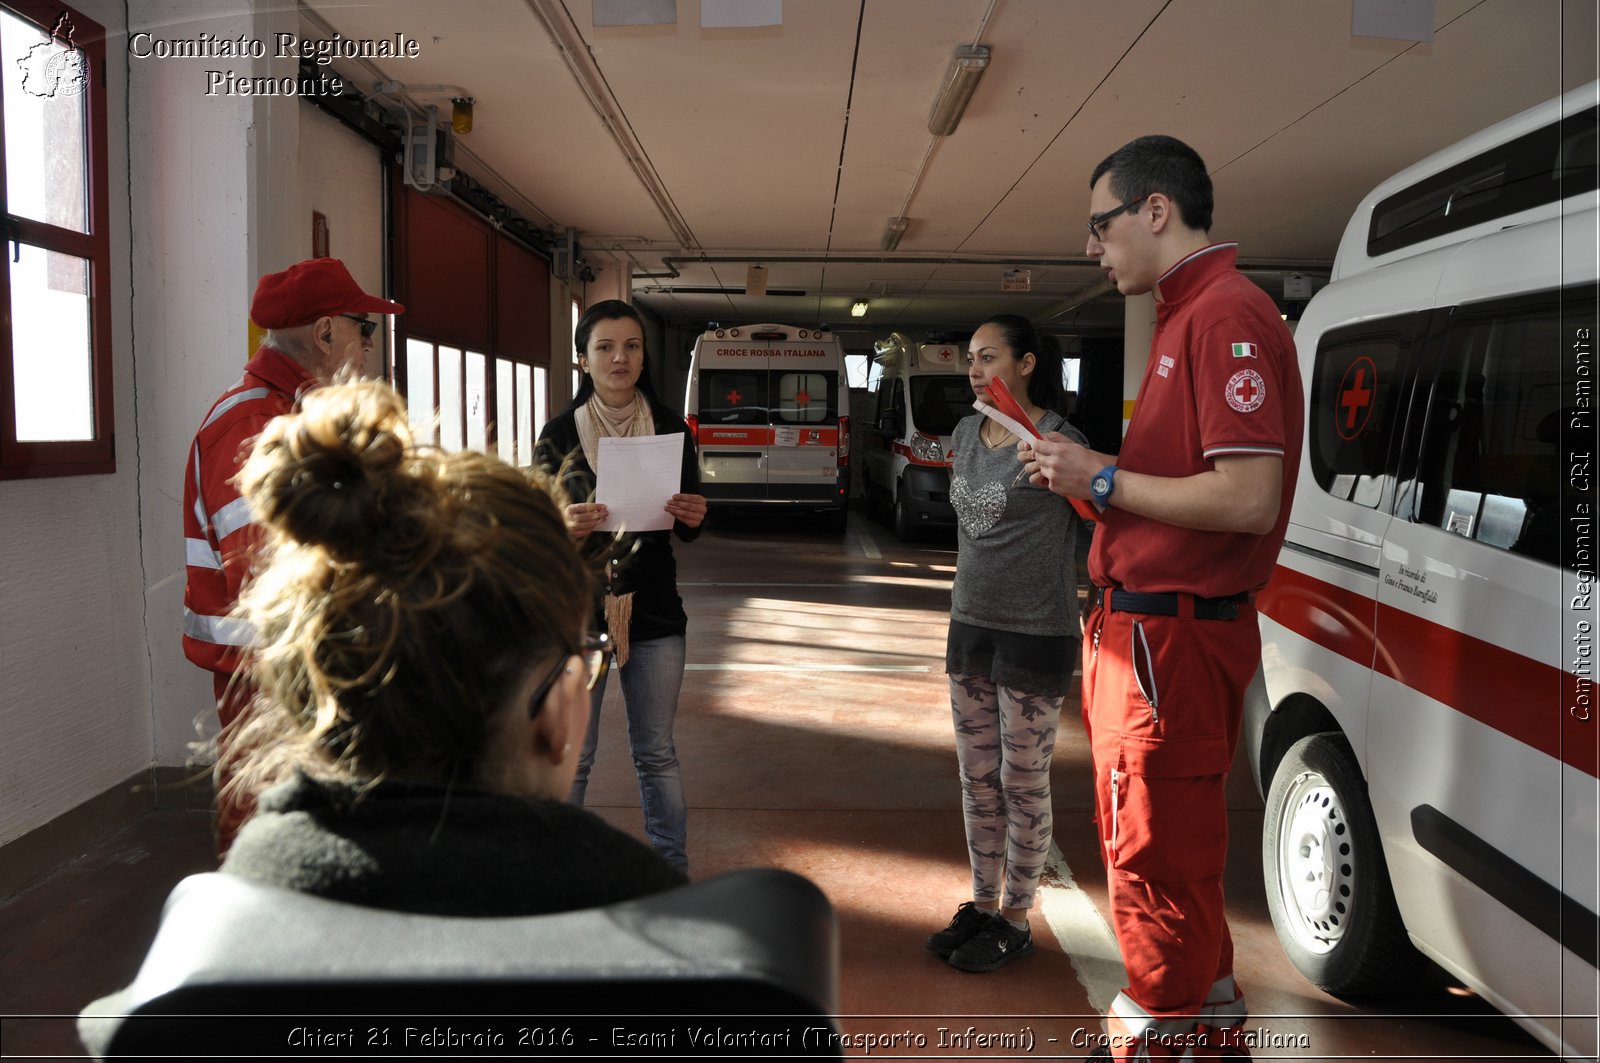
(734, 454)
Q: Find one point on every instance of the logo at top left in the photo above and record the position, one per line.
(55, 67)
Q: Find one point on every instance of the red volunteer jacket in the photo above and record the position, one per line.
(219, 531)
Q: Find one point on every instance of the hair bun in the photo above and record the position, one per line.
(322, 476)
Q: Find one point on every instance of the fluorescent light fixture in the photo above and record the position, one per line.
(893, 232)
(634, 12)
(858, 308)
(736, 14)
(1395, 20)
(966, 67)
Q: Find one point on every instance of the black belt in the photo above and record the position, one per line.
(1172, 603)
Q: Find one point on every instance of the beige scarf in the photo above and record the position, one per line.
(596, 419)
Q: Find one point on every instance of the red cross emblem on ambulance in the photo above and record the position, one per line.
(1355, 398)
(1246, 391)
(733, 397)
(802, 397)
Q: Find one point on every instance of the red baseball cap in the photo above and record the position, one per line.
(317, 287)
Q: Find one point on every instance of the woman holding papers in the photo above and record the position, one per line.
(1013, 638)
(640, 608)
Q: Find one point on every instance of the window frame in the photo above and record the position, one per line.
(97, 456)
(1407, 333)
(1463, 324)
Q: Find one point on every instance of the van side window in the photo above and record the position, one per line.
(733, 396)
(1544, 166)
(1489, 467)
(1355, 406)
(804, 398)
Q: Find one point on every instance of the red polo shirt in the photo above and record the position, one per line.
(1223, 379)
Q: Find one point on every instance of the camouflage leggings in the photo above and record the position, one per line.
(1005, 799)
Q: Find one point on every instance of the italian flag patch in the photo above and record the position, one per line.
(1244, 350)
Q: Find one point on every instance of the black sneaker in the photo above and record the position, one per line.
(995, 944)
(968, 920)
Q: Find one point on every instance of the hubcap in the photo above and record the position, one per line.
(1316, 865)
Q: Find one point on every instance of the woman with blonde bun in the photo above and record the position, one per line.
(423, 671)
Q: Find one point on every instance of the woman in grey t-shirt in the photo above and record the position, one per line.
(1012, 646)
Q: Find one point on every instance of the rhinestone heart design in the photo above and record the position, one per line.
(978, 508)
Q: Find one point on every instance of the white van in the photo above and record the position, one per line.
(768, 407)
(920, 392)
(1425, 735)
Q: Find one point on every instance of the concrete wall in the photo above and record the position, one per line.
(74, 667)
(341, 177)
(213, 197)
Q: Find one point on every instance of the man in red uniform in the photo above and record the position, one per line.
(318, 325)
(1193, 512)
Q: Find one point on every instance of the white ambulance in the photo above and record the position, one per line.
(768, 408)
(920, 392)
(1425, 735)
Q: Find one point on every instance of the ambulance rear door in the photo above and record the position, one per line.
(731, 400)
(806, 397)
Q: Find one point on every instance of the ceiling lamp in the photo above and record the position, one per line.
(893, 232)
(966, 67)
(461, 114)
(858, 308)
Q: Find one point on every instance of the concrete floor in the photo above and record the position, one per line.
(815, 736)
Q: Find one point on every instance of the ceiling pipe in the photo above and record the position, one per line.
(674, 261)
(568, 39)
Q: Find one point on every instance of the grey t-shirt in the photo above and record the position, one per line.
(1016, 567)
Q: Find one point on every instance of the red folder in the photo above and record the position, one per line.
(1001, 397)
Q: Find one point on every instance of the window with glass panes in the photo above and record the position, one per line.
(473, 358)
(55, 342)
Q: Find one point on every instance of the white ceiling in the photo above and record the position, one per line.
(793, 145)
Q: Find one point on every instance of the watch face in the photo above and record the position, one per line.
(1100, 486)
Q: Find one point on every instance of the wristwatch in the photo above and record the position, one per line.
(1104, 482)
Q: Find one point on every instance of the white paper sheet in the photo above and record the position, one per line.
(638, 477)
(1010, 424)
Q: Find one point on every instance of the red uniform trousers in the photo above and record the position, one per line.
(232, 697)
(1163, 700)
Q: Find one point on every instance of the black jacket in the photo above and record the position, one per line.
(640, 564)
(433, 851)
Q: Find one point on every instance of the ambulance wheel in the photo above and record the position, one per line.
(838, 520)
(1327, 882)
(904, 529)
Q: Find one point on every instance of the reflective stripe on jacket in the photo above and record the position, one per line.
(219, 531)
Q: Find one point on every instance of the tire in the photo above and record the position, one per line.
(904, 529)
(838, 520)
(1327, 882)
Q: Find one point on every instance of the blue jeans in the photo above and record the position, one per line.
(650, 683)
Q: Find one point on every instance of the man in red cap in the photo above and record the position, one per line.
(319, 325)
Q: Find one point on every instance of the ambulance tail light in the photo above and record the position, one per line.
(844, 441)
(694, 426)
(926, 448)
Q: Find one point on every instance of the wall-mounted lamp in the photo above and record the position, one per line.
(966, 67)
(858, 308)
(461, 114)
(892, 233)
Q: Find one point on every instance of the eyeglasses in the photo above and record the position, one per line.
(368, 325)
(1097, 222)
(596, 653)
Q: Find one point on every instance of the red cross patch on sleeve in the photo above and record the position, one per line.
(1246, 391)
